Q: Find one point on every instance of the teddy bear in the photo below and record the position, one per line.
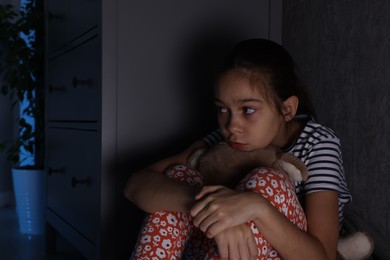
(223, 165)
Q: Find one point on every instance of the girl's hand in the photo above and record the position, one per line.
(236, 243)
(220, 208)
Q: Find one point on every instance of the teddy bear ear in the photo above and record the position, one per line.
(194, 158)
(293, 172)
(296, 163)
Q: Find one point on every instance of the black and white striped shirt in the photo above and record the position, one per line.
(319, 148)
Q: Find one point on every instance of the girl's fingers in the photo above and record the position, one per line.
(234, 251)
(206, 226)
(223, 250)
(207, 190)
(213, 229)
(199, 216)
(211, 223)
(243, 249)
(252, 247)
(198, 207)
(204, 218)
(202, 204)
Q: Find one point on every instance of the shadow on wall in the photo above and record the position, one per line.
(199, 58)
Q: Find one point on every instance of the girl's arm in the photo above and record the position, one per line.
(320, 240)
(218, 212)
(152, 191)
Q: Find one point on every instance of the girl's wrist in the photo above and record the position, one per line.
(263, 211)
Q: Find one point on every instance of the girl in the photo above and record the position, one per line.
(260, 102)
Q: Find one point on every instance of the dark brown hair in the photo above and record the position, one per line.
(271, 59)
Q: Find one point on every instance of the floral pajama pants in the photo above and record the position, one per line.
(171, 235)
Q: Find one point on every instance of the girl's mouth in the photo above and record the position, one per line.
(237, 146)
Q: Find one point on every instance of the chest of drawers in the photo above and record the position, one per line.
(73, 118)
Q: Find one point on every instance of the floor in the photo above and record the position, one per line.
(17, 246)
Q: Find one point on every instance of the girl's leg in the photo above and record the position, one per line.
(161, 238)
(277, 189)
(164, 234)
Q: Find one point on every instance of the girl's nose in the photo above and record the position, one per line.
(233, 124)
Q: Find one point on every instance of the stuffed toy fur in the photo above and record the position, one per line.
(356, 246)
(223, 165)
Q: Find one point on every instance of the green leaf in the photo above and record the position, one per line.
(21, 72)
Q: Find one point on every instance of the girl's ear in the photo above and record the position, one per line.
(290, 107)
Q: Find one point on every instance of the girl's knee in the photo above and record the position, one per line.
(262, 179)
(185, 173)
(276, 188)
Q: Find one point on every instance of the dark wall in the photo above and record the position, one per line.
(343, 51)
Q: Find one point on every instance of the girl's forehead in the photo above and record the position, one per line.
(243, 83)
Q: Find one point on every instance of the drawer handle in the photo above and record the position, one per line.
(79, 82)
(75, 182)
(55, 170)
(56, 88)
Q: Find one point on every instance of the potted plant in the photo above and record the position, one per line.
(21, 78)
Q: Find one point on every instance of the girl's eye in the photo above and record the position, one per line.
(221, 110)
(249, 110)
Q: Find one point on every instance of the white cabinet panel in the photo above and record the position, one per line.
(85, 14)
(69, 20)
(57, 20)
(73, 178)
(73, 84)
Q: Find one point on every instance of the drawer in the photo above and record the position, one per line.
(84, 17)
(73, 178)
(73, 84)
(57, 23)
(70, 19)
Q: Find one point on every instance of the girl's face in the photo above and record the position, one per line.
(246, 118)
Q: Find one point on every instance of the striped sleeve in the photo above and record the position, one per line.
(319, 148)
(213, 138)
(325, 165)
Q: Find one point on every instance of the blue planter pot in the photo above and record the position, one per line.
(29, 188)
